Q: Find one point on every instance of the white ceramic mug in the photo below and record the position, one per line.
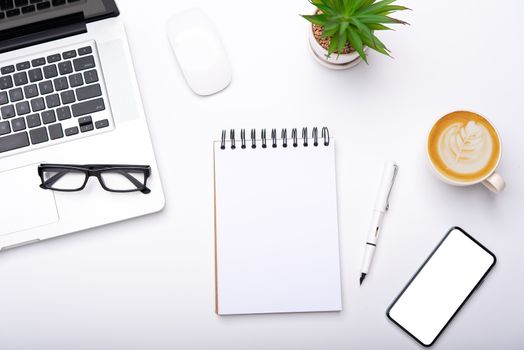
(493, 181)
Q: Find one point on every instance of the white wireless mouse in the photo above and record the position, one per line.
(199, 52)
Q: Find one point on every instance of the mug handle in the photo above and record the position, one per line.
(494, 183)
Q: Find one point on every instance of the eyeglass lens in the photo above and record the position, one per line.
(123, 180)
(64, 179)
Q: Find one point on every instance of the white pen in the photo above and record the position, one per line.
(381, 206)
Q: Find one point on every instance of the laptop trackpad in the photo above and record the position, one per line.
(23, 204)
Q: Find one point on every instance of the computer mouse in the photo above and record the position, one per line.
(199, 51)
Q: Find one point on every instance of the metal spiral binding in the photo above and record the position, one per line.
(325, 136)
(315, 136)
(304, 136)
(223, 142)
(253, 138)
(274, 139)
(264, 138)
(232, 138)
(243, 138)
(294, 137)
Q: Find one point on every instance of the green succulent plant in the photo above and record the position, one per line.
(355, 22)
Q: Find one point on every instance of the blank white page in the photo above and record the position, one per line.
(276, 229)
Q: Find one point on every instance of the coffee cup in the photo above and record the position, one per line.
(464, 149)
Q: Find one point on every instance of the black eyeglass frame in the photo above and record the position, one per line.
(96, 170)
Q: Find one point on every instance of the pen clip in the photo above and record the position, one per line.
(395, 171)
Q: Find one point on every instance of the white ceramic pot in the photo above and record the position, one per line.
(335, 61)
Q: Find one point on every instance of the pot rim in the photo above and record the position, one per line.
(336, 62)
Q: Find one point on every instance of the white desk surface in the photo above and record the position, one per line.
(148, 283)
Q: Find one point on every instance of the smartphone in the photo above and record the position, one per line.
(437, 291)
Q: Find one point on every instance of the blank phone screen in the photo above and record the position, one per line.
(441, 286)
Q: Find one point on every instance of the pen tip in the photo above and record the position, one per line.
(362, 276)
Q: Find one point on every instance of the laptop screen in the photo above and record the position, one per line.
(18, 13)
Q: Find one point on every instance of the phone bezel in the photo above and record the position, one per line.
(420, 269)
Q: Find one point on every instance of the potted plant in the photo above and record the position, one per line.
(342, 30)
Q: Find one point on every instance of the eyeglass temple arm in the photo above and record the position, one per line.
(135, 182)
(53, 179)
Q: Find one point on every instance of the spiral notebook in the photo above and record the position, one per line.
(276, 229)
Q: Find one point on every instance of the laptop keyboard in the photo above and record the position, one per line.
(13, 8)
(51, 98)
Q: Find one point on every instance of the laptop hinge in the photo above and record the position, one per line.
(41, 32)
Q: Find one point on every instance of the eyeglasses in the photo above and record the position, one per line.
(112, 178)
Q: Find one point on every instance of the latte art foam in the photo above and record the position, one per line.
(465, 148)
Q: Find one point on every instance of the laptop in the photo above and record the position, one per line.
(68, 95)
